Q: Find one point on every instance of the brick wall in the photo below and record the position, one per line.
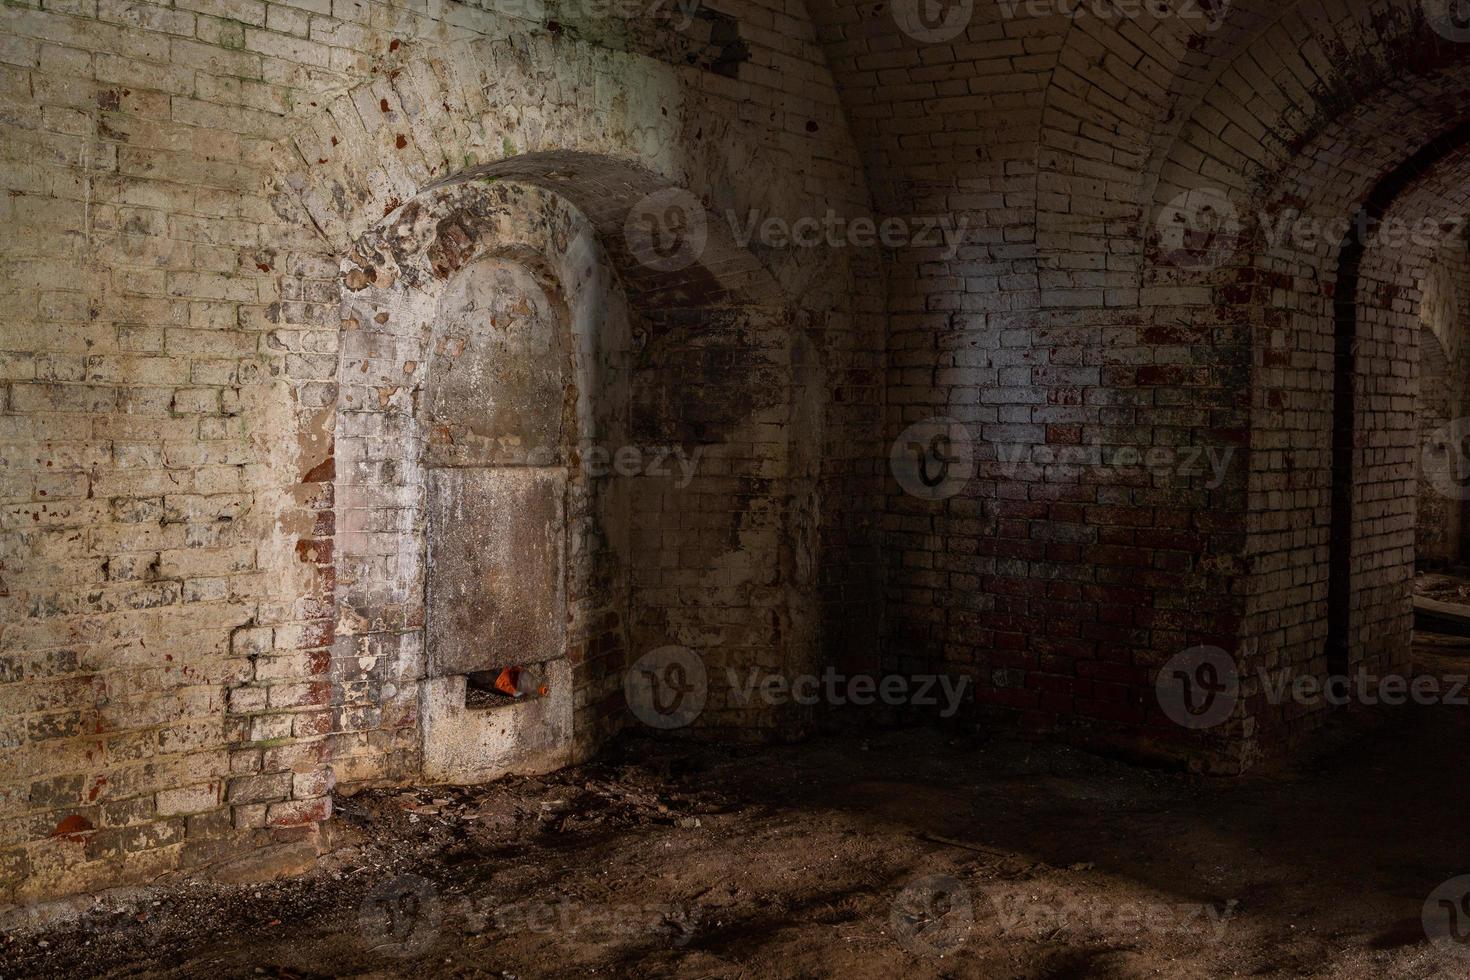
(202, 638)
(183, 181)
(1066, 322)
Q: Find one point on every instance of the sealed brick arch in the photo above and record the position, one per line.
(484, 345)
(651, 403)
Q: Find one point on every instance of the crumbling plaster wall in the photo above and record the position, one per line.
(183, 182)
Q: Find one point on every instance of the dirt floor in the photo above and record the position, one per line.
(903, 853)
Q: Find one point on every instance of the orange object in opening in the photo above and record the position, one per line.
(509, 682)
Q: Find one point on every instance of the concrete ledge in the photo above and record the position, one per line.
(475, 745)
(1434, 616)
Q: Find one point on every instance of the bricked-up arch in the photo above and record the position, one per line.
(696, 359)
(393, 279)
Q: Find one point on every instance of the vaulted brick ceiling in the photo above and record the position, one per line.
(1083, 114)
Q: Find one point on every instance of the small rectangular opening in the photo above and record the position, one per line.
(505, 685)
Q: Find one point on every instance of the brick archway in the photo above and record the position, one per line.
(1309, 338)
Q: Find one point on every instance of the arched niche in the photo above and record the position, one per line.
(499, 331)
(485, 347)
